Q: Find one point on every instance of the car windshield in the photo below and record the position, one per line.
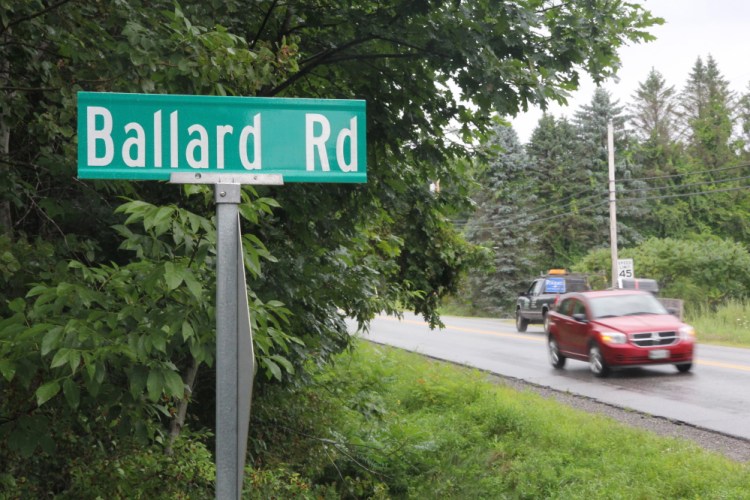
(625, 305)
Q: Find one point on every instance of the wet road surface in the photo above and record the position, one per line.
(714, 396)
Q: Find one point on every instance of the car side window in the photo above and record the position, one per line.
(565, 307)
(537, 287)
(578, 308)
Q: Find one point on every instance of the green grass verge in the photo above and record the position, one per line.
(384, 423)
(729, 324)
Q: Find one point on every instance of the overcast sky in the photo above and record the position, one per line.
(692, 28)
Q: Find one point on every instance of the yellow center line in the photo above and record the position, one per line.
(468, 330)
(701, 361)
(719, 364)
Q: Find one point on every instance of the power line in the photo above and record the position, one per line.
(604, 202)
(718, 181)
(669, 176)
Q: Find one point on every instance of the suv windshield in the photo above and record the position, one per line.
(625, 305)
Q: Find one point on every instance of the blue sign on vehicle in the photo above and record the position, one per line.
(554, 285)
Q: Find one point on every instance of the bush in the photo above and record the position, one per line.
(134, 472)
(684, 269)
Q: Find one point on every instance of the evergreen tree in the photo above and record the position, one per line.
(706, 102)
(501, 225)
(563, 192)
(593, 160)
(743, 115)
(654, 122)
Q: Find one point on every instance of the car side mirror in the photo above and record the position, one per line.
(581, 317)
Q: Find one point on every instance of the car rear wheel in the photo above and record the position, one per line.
(557, 359)
(684, 367)
(596, 361)
(521, 322)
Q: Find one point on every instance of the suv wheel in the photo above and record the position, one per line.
(521, 322)
(557, 359)
(596, 361)
(545, 320)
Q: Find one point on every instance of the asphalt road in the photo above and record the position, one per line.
(715, 395)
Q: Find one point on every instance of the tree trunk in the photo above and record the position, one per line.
(6, 220)
(179, 418)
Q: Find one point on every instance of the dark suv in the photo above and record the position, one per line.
(534, 303)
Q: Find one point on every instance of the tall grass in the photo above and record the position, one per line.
(727, 324)
(388, 424)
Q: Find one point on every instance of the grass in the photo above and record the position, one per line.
(383, 423)
(729, 324)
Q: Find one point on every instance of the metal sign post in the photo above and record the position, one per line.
(231, 397)
(235, 363)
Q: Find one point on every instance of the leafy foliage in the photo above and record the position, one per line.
(684, 269)
(107, 316)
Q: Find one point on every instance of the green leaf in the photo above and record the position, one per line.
(194, 286)
(46, 392)
(272, 369)
(60, 358)
(283, 362)
(187, 330)
(155, 385)
(173, 275)
(51, 340)
(174, 384)
(72, 393)
(7, 369)
(137, 381)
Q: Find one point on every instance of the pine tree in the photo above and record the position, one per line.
(593, 159)
(500, 224)
(654, 120)
(706, 102)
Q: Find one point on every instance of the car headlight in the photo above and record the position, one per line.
(687, 332)
(614, 337)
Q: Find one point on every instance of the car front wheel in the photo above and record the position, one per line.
(557, 359)
(596, 361)
(521, 322)
(684, 368)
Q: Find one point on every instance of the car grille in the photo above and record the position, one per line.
(674, 357)
(652, 339)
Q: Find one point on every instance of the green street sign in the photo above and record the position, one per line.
(152, 136)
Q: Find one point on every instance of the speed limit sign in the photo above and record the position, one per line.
(625, 268)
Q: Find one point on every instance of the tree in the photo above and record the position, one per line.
(501, 224)
(654, 121)
(706, 102)
(326, 252)
(560, 191)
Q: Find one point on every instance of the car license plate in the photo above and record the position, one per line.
(658, 354)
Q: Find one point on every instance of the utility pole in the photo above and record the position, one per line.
(612, 202)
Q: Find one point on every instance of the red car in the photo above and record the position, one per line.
(614, 328)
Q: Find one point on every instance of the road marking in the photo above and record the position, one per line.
(700, 361)
(467, 330)
(719, 364)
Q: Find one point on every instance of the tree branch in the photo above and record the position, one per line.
(178, 421)
(20, 20)
(263, 24)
